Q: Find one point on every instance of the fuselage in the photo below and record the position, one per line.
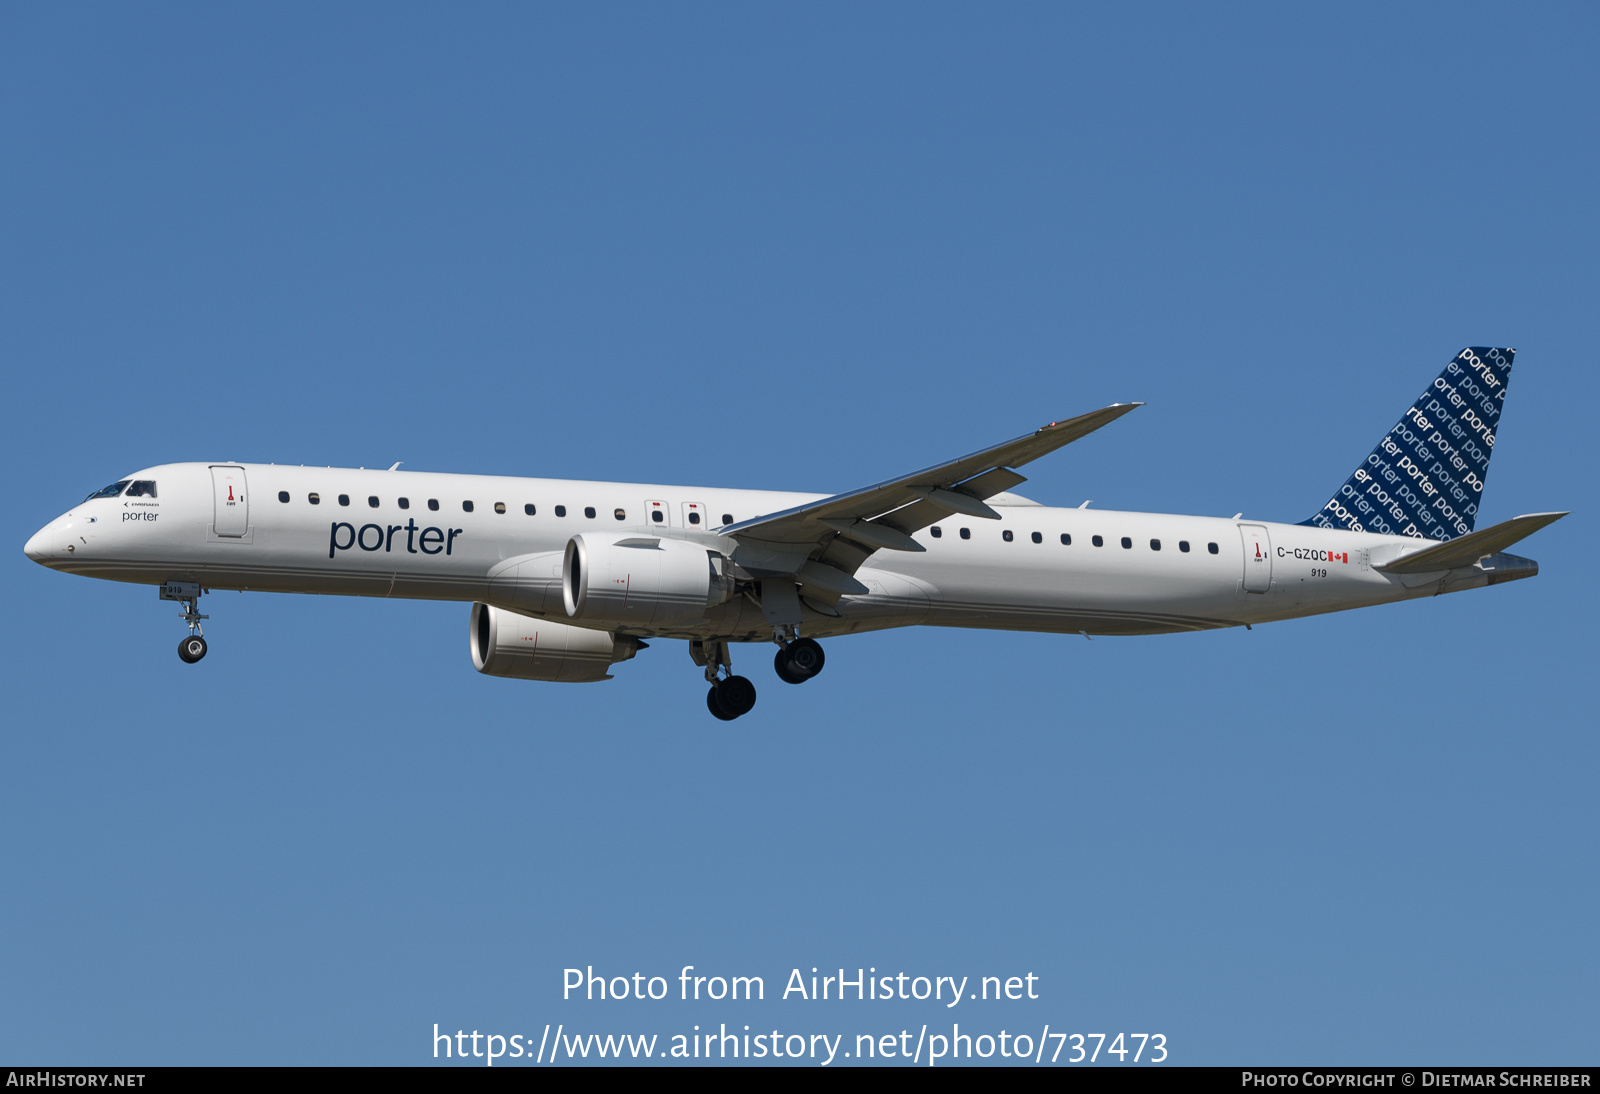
(500, 540)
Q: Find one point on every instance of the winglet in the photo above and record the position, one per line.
(1105, 412)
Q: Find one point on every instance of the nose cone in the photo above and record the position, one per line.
(42, 547)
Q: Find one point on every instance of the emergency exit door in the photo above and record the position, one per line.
(1257, 558)
(232, 513)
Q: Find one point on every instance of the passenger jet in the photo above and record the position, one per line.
(567, 578)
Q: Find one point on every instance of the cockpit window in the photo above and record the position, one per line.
(108, 492)
(144, 488)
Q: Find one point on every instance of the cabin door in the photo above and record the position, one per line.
(1257, 558)
(232, 515)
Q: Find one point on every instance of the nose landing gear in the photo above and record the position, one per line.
(187, 593)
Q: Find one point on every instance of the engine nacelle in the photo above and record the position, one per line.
(507, 644)
(640, 581)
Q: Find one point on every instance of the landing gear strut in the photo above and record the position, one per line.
(187, 593)
(799, 661)
(730, 696)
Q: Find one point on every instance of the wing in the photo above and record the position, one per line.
(824, 542)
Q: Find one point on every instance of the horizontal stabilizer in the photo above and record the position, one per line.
(1468, 549)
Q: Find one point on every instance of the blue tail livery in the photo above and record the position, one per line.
(1425, 478)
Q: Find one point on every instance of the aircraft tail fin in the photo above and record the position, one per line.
(1426, 477)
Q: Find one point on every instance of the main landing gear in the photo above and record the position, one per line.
(799, 661)
(730, 696)
(187, 593)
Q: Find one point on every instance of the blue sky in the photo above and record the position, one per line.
(802, 247)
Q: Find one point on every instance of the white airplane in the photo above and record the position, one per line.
(567, 578)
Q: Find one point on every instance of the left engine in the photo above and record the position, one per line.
(507, 644)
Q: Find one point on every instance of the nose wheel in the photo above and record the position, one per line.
(187, 593)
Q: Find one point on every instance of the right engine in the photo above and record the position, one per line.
(640, 581)
(507, 644)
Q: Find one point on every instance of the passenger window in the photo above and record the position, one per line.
(142, 489)
(1037, 538)
(529, 509)
(314, 499)
(1183, 545)
(936, 531)
(404, 503)
(561, 510)
(1212, 547)
(1007, 536)
(466, 507)
(1127, 543)
(694, 516)
(588, 511)
(1066, 539)
(283, 495)
(108, 491)
(727, 518)
(966, 533)
(622, 514)
(657, 515)
(1098, 542)
(433, 504)
(1155, 545)
(344, 499)
(499, 507)
(372, 502)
